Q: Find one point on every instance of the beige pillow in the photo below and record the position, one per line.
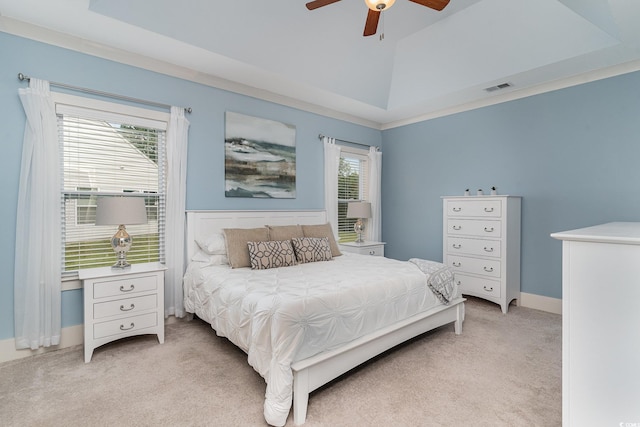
(322, 230)
(284, 232)
(237, 238)
(312, 249)
(272, 254)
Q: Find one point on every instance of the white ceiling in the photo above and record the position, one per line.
(429, 63)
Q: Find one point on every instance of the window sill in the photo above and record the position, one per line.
(70, 283)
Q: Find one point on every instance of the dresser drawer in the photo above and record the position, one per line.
(485, 267)
(459, 245)
(473, 227)
(478, 286)
(127, 325)
(476, 207)
(126, 286)
(124, 306)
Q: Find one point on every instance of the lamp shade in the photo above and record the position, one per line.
(378, 5)
(359, 210)
(121, 211)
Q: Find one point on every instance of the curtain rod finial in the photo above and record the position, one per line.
(22, 77)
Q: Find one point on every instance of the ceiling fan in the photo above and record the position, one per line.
(377, 6)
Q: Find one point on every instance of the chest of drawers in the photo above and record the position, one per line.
(481, 243)
(122, 303)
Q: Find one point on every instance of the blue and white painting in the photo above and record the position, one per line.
(260, 157)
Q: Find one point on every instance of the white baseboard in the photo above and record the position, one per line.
(539, 302)
(69, 337)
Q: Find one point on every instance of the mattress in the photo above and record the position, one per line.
(282, 315)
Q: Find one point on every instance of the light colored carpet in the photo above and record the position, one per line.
(504, 370)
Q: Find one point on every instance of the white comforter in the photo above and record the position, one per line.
(283, 315)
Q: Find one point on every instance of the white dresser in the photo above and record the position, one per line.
(601, 325)
(122, 303)
(364, 248)
(481, 243)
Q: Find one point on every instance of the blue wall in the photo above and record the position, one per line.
(205, 178)
(573, 155)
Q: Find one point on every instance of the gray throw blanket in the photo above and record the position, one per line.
(439, 278)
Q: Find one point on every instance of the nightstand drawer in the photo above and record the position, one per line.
(366, 248)
(124, 306)
(485, 267)
(478, 286)
(483, 208)
(472, 227)
(126, 286)
(127, 325)
(459, 245)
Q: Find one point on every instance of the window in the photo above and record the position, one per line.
(105, 152)
(352, 186)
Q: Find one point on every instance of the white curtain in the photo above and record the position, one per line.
(177, 141)
(37, 269)
(374, 228)
(331, 165)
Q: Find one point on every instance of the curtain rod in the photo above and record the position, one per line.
(320, 136)
(22, 77)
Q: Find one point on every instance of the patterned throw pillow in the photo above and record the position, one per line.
(271, 254)
(312, 249)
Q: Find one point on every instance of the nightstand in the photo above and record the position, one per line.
(365, 248)
(122, 303)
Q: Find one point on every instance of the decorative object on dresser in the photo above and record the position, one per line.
(122, 303)
(359, 210)
(364, 248)
(600, 318)
(120, 211)
(481, 243)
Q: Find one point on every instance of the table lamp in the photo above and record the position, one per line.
(359, 210)
(120, 211)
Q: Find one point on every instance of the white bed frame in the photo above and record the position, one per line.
(315, 371)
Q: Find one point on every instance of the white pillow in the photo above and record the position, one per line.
(208, 259)
(213, 244)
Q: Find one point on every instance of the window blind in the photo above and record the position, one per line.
(109, 156)
(352, 186)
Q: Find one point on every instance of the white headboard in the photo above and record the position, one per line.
(205, 223)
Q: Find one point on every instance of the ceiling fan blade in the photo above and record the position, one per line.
(371, 26)
(433, 4)
(319, 3)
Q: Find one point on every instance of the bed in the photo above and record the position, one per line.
(304, 325)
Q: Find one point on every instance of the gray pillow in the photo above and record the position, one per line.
(284, 232)
(236, 240)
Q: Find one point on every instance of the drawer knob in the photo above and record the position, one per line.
(131, 287)
(488, 269)
(122, 328)
(488, 288)
(457, 209)
(457, 227)
(456, 246)
(127, 309)
(372, 252)
(488, 229)
(488, 209)
(456, 264)
(486, 249)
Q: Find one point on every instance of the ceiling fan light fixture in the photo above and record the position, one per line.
(379, 5)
